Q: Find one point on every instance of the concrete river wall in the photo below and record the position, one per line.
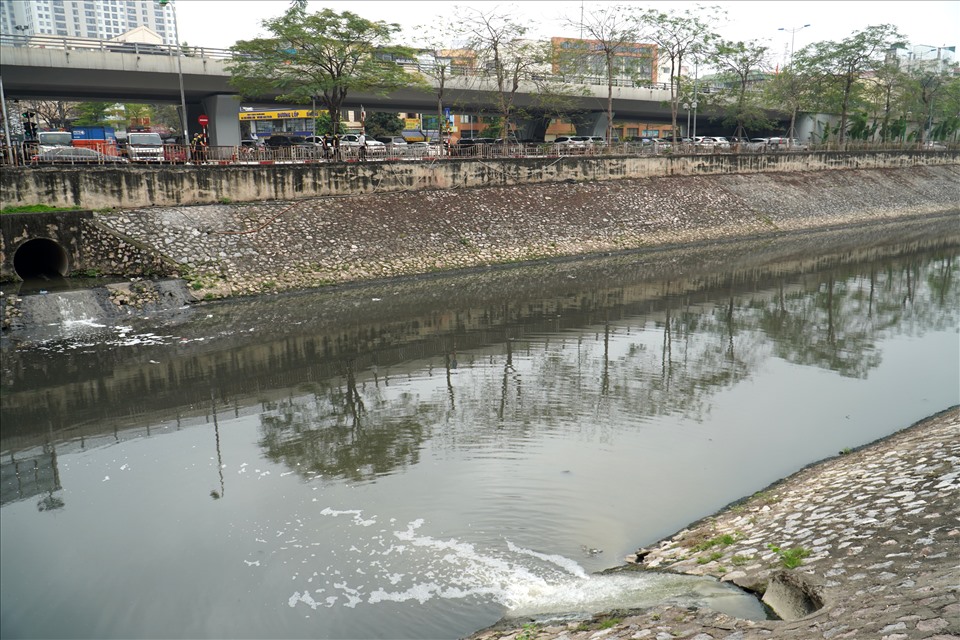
(143, 186)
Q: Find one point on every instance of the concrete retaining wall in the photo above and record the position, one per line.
(129, 187)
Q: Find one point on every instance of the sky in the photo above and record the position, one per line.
(927, 24)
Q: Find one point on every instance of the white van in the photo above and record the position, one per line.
(144, 147)
(50, 140)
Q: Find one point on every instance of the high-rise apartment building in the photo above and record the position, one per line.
(101, 19)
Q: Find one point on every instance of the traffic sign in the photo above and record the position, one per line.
(203, 120)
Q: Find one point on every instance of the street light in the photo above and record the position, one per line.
(793, 34)
(183, 99)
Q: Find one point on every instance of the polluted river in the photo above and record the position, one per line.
(421, 458)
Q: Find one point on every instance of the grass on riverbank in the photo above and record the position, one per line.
(36, 208)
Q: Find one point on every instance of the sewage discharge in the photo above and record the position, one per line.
(400, 564)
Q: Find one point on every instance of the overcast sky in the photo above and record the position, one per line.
(217, 23)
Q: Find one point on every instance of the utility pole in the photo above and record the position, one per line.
(183, 99)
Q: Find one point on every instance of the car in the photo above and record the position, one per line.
(392, 140)
(716, 142)
(739, 140)
(598, 140)
(783, 144)
(281, 141)
(757, 143)
(353, 140)
(466, 142)
(934, 144)
(75, 155)
(571, 141)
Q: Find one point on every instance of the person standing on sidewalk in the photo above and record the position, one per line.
(362, 146)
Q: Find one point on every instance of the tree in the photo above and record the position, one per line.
(324, 55)
(505, 59)
(925, 87)
(839, 66)
(437, 73)
(92, 113)
(55, 114)
(678, 36)
(380, 123)
(612, 29)
(742, 62)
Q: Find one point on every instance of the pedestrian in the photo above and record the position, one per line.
(325, 143)
(199, 148)
(362, 146)
(336, 148)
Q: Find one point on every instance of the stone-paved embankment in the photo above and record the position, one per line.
(875, 533)
(237, 249)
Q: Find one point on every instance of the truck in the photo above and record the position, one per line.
(103, 139)
(50, 140)
(143, 146)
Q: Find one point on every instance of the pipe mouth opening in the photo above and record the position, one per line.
(40, 258)
(791, 596)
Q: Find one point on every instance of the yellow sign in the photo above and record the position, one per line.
(280, 115)
(411, 124)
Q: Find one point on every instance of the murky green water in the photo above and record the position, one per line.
(418, 459)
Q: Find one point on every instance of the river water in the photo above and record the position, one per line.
(417, 459)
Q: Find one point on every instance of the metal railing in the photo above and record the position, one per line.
(110, 46)
(29, 155)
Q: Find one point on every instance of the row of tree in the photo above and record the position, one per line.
(326, 56)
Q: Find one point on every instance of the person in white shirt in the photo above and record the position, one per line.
(362, 148)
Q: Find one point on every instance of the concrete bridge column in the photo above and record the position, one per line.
(591, 124)
(224, 114)
(534, 128)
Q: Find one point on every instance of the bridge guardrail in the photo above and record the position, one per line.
(110, 46)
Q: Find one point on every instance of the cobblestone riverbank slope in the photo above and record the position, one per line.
(873, 534)
(247, 248)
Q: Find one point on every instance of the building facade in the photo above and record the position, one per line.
(98, 19)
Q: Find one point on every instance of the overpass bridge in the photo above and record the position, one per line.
(49, 67)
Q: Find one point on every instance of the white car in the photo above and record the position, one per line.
(571, 141)
(353, 140)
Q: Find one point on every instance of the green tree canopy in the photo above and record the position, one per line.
(380, 123)
(324, 55)
(838, 66)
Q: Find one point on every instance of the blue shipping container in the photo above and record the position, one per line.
(94, 133)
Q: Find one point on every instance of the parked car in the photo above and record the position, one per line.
(716, 142)
(392, 140)
(757, 144)
(739, 140)
(467, 142)
(783, 144)
(353, 140)
(571, 141)
(282, 141)
(75, 155)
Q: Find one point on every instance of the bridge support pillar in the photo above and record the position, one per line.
(591, 124)
(224, 114)
(534, 128)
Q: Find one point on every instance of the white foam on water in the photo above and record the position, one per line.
(407, 565)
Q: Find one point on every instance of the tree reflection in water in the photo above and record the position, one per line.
(669, 359)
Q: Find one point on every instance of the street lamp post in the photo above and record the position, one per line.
(696, 79)
(793, 34)
(183, 99)
(792, 133)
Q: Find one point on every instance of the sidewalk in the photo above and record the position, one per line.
(876, 533)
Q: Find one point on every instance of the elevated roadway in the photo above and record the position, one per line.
(75, 69)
